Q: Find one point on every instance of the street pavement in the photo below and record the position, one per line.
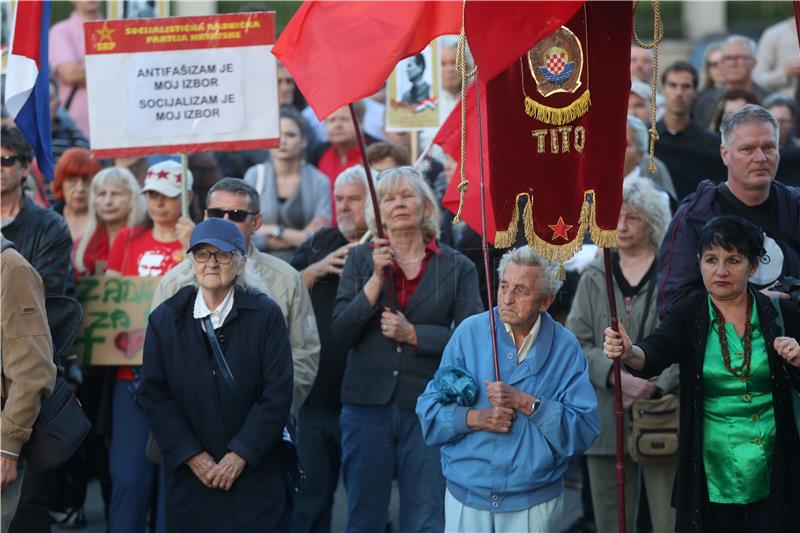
(573, 508)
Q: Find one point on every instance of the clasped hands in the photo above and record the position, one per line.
(214, 475)
(506, 401)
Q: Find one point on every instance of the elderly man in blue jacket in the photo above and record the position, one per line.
(505, 450)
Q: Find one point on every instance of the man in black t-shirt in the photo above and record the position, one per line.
(749, 150)
(320, 261)
(690, 152)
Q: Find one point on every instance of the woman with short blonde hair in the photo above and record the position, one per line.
(115, 202)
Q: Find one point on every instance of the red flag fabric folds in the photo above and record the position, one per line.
(339, 52)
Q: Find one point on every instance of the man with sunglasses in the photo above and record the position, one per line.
(235, 200)
(41, 236)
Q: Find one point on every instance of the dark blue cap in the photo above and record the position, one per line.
(218, 232)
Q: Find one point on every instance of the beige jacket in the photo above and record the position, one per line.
(28, 371)
(287, 289)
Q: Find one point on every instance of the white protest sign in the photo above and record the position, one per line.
(184, 84)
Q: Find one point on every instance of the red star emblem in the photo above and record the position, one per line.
(178, 177)
(163, 174)
(149, 173)
(560, 229)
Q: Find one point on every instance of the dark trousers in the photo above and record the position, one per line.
(319, 445)
(133, 478)
(734, 518)
(33, 515)
(377, 442)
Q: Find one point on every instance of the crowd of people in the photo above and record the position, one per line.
(292, 313)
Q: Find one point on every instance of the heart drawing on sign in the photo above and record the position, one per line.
(129, 342)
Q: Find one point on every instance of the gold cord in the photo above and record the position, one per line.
(461, 66)
(658, 36)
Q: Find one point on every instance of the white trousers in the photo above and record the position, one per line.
(542, 518)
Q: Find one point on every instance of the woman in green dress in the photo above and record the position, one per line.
(739, 451)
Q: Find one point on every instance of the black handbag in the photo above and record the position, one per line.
(58, 431)
(292, 468)
(62, 425)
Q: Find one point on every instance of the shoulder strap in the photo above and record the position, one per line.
(223, 364)
(651, 285)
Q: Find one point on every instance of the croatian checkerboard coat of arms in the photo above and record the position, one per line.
(556, 63)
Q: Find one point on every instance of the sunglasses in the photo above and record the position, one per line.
(234, 215)
(10, 160)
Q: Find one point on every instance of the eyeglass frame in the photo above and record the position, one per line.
(232, 213)
(736, 59)
(216, 257)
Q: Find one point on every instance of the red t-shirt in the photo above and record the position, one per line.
(96, 250)
(136, 253)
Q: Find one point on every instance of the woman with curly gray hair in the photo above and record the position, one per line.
(397, 304)
(642, 223)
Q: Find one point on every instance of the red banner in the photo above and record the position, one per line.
(179, 33)
(558, 143)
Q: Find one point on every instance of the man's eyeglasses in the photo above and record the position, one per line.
(223, 258)
(234, 215)
(9, 160)
(736, 59)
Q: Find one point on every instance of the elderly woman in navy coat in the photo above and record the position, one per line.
(222, 461)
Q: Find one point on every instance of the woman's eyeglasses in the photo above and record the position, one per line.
(234, 215)
(9, 160)
(223, 258)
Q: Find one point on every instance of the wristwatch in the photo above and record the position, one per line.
(535, 405)
(276, 232)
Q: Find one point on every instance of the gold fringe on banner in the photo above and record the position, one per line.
(558, 253)
(558, 116)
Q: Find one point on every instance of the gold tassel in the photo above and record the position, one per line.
(506, 238)
(558, 253)
(558, 116)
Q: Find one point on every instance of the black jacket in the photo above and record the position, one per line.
(678, 269)
(42, 237)
(333, 352)
(681, 338)
(380, 370)
(191, 409)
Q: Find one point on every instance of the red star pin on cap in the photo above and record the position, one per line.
(560, 229)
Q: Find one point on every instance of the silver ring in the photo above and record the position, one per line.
(384, 328)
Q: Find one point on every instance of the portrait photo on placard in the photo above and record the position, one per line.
(413, 92)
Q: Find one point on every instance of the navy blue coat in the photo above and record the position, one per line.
(191, 409)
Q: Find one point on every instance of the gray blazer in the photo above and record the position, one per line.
(379, 370)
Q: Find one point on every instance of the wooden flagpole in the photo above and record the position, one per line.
(390, 293)
(484, 243)
(618, 412)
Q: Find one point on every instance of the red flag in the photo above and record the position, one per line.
(449, 138)
(569, 168)
(340, 52)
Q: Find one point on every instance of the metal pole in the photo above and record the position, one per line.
(617, 370)
(184, 185)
